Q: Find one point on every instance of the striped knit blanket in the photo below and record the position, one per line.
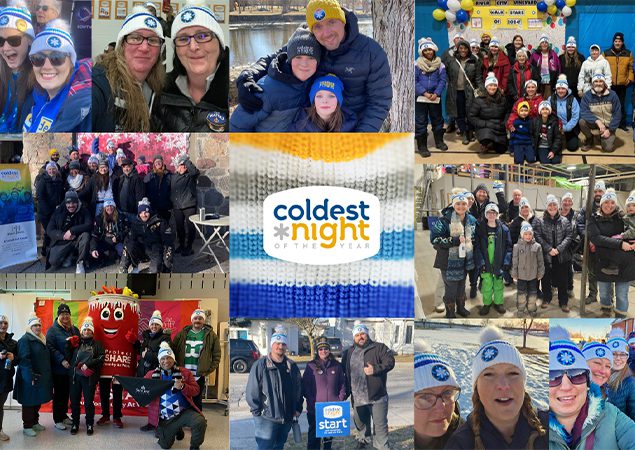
(266, 163)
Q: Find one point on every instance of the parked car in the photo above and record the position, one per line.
(242, 354)
(336, 346)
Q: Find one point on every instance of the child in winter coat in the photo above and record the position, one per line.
(593, 64)
(493, 257)
(326, 113)
(546, 136)
(528, 267)
(520, 141)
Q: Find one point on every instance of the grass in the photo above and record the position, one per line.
(398, 438)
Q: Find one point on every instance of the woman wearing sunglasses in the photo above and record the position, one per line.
(621, 384)
(196, 95)
(580, 419)
(502, 413)
(127, 82)
(61, 100)
(16, 36)
(437, 412)
(46, 11)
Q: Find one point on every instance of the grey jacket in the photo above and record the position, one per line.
(527, 261)
(554, 233)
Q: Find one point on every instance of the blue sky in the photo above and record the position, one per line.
(588, 327)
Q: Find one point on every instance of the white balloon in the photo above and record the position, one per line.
(548, 2)
(566, 11)
(450, 16)
(454, 5)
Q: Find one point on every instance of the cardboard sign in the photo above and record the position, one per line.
(332, 419)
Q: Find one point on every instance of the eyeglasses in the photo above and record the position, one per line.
(42, 7)
(56, 59)
(182, 41)
(577, 376)
(137, 39)
(324, 349)
(14, 41)
(428, 400)
(620, 355)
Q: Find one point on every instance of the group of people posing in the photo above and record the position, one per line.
(276, 390)
(65, 364)
(505, 243)
(98, 211)
(532, 104)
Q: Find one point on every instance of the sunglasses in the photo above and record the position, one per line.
(428, 400)
(182, 41)
(42, 7)
(578, 376)
(55, 58)
(14, 41)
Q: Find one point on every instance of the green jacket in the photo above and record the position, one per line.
(210, 353)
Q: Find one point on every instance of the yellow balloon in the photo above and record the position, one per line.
(570, 3)
(468, 5)
(438, 14)
(552, 10)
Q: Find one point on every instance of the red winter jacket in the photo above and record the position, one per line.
(501, 70)
(191, 389)
(533, 109)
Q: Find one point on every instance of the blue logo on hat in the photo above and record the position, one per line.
(150, 22)
(188, 16)
(54, 42)
(600, 352)
(4, 20)
(440, 373)
(566, 358)
(319, 14)
(615, 344)
(489, 353)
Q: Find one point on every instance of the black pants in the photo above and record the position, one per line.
(313, 443)
(557, 275)
(185, 231)
(62, 249)
(81, 385)
(135, 252)
(621, 94)
(167, 429)
(104, 398)
(198, 400)
(571, 141)
(61, 392)
(422, 111)
(461, 112)
(3, 399)
(570, 278)
(496, 146)
(30, 416)
(46, 240)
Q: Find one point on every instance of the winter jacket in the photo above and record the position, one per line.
(533, 109)
(554, 232)
(502, 249)
(89, 352)
(156, 232)
(501, 69)
(605, 107)
(150, 344)
(606, 426)
(553, 136)
(473, 71)
(487, 115)
(323, 382)
(590, 68)
(79, 222)
(527, 261)
(183, 188)
(128, 201)
(74, 114)
(522, 134)
(81, 189)
(210, 353)
(362, 66)
(9, 345)
(515, 88)
(49, 193)
(463, 438)
(91, 194)
(190, 390)
(178, 113)
(477, 210)
(624, 397)
(608, 249)
(158, 190)
(572, 72)
(512, 212)
(567, 110)
(432, 82)
(382, 360)
(514, 227)
(302, 124)
(621, 63)
(442, 241)
(510, 51)
(283, 95)
(34, 378)
(265, 393)
(56, 338)
(553, 63)
(118, 231)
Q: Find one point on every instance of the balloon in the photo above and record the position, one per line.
(570, 3)
(450, 16)
(443, 4)
(438, 14)
(566, 11)
(552, 10)
(550, 2)
(542, 7)
(560, 4)
(467, 5)
(462, 16)
(454, 5)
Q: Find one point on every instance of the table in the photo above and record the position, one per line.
(216, 225)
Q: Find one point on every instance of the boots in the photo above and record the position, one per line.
(124, 264)
(438, 140)
(449, 311)
(422, 145)
(460, 307)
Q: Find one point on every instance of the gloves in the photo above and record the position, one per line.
(74, 341)
(131, 336)
(247, 88)
(499, 187)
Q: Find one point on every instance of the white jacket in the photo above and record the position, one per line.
(590, 68)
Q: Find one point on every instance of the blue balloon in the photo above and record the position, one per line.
(560, 4)
(462, 16)
(542, 6)
(443, 4)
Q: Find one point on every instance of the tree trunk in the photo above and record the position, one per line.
(393, 25)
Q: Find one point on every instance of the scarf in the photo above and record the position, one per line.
(41, 337)
(45, 110)
(75, 182)
(428, 66)
(9, 117)
(62, 325)
(458, 266)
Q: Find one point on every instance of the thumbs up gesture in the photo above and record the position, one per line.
(369, 370)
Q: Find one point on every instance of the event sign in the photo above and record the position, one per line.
(332, 419)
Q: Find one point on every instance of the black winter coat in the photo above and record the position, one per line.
(510, 51)
(6, 376)
(151, 346)
(183, 188)
(487, 114)
(572, 73)
(118, 231)
(62, 221)
(154, 232)
(478, 210)
(514, 227)
(555, 233)
(502, 249)
(89, 352)
(56, 337)
(553, 137)
(609, 250)
(383, 361)
(158, 190)
(49, 193)
(128, 201)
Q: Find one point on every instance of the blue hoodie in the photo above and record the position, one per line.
(561, 111)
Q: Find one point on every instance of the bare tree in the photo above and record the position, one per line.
(393, 22)
(527, 323)
(311, 328)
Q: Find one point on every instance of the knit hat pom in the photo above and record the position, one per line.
(491, 333)
(558, 333)
(421, 346)
(616, 333)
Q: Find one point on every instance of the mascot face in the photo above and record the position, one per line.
(114, 318)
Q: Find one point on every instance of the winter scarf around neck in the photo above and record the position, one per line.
(428, 66)
(41, 337)
(458, 266)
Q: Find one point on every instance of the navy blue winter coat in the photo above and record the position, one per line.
(433, 82)
(34, 380)
(56, 343)
(6, 376)
(158, 190)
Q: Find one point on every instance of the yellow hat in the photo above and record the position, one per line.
(52, 151)
(486, 33)
(523, 105)
(318, 10)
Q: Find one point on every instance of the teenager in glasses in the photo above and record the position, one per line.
(621, 384)
(196, 93)
(437, 412)
(502, 416)
(127, 82)
(580, 419)
(46, 11)
(16, 36)
(61, 100)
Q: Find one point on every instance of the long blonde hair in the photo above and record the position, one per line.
(618, 376)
